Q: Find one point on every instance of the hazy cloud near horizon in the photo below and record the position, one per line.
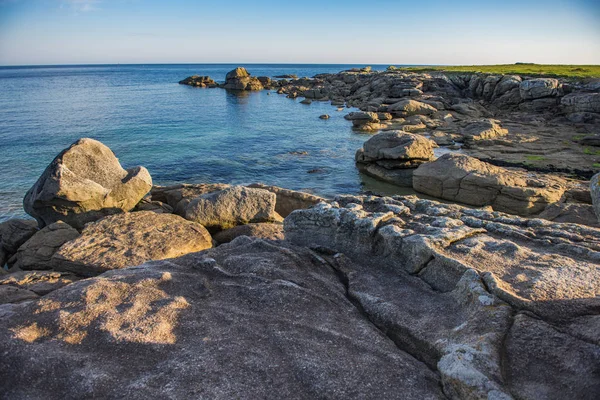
(378, 32)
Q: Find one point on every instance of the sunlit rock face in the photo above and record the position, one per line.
(249, 319)
(84, 183)
(499, 305)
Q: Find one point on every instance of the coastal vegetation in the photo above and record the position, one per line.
(546, 70)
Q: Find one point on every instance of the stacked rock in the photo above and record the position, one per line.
(394, 155)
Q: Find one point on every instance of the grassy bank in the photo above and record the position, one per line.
(565, 71)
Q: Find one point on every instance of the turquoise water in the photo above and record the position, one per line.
(180, 133)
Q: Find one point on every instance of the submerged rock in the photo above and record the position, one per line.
(84, 183)
(130, 239)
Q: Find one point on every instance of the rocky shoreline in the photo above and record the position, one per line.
(526, 168)
(122, 288)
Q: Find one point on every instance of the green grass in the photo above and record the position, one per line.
(578, 137)
(596, 165)
(566, 71)
(535, 158)
(591, 152)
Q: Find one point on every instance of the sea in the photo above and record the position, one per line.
(181, 134)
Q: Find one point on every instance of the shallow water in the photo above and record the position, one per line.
(180, 133)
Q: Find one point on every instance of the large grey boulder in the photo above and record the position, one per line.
(233, 206)
(483, 129)
(595, 192)
(37, 252)
(537, 88)
(289, 200)
(582, 102)
(467, 180)
(179, 196)
(364, 120)
(396, 145)
(574, 213)
(250, 319)
(392, 156)
(84, 183)
(124, 240)
(405, 108)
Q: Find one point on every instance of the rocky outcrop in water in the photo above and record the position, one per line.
(199, 81)
(84, 183)
(240, 79)
(530, 122)
(393, 156)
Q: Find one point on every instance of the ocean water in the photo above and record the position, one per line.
(180, 133)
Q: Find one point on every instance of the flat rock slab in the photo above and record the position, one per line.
(39, 282)
(128, 239)
(467, 180)
(261, 230)
(12, 294)
(249, 319)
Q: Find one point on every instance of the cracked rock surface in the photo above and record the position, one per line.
(366, 297)
(250, 319)
(499, 306)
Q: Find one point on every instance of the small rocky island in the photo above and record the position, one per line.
(131, 290)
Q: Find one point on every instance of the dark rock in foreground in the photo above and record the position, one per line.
(250, 319)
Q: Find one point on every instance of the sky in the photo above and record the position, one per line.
(393, 32)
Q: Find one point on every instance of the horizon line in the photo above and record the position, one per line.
(271, 63)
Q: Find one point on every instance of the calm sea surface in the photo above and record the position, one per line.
(180, 133)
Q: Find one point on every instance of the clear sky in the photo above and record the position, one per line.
(305, 31)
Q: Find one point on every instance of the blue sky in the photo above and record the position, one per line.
(308, 31)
